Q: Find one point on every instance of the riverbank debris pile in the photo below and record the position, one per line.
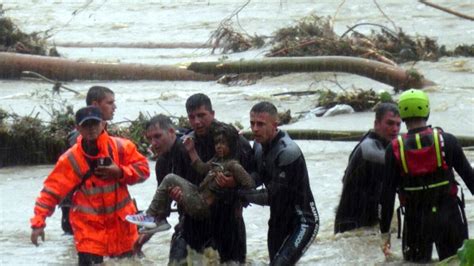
(26, 140)
(12, 39)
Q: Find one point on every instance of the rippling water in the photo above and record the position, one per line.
(192, 21)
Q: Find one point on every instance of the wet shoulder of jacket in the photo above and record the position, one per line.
(373, 150)
(288, 151)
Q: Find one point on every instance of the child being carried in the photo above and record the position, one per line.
(196, 200)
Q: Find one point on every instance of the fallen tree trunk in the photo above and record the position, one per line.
(333, 135)
(12, 65)
(391, 75)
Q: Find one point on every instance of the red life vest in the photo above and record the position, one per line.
(422, 160)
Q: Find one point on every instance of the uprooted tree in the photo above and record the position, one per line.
(13, 65)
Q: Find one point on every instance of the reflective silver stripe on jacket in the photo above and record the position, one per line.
(52, 193)
(75, 165)
(98, 190)
(141, 175)
(102, 210)
(120, 149)
(44, 206)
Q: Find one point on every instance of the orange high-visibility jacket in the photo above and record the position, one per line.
(99, 205)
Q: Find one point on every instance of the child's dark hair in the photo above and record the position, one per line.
(229, 134)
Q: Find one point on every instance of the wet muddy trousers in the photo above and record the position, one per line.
(192, 202)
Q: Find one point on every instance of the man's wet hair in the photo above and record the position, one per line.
(163, 121)
(384, 108)
(265, 107)
(197, 100)
(97, 93)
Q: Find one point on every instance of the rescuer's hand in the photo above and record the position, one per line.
(188, 143)
(176, 194)
(225, 181)
(110, 171)
(35, 233)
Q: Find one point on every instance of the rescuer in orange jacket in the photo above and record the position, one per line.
(96, 170)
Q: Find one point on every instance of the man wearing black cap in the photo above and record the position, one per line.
(97, 171)
(103, 98)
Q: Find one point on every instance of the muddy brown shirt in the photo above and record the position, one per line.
(229, 167)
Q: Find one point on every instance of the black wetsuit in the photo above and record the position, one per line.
(294, 220)
(362, 183)
(175, 161)
(432, 215)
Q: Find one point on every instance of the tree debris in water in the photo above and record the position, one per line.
(27, 140)
(230, 40)
(359, 99)
(314, 36)
(285, 118)
(134, 131)
(243, 79)
(12, 39)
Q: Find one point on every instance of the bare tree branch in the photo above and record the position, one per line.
(446, 10)
(385, 15)
(372, 24)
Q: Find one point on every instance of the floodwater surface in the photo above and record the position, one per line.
(104, 21)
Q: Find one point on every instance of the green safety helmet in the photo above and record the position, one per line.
(414, 103)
